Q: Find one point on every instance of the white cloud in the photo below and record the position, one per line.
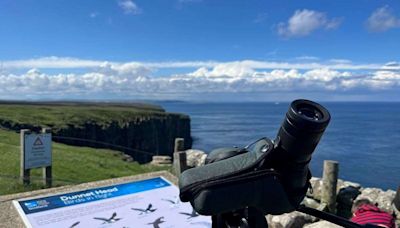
(382, 19)
(93, 14)
(307, 58)
(138, 79)
(129, 7)
(67, 63)
(304, 22)
(340, 61)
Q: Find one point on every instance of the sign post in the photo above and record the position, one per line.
(24, 172)
(36, 152)
(47, 174)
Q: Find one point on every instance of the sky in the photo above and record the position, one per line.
(200, 50)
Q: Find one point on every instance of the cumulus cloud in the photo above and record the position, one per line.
(140, 80)
(382, 19)
(304, 22)
(129, 7)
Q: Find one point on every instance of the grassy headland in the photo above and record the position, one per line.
(71, 165)
(134, 125)
(60, 115)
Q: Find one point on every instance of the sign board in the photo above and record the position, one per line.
(147, 203)
(37, 150)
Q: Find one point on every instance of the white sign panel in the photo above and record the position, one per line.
(37, 150)
(147, 203)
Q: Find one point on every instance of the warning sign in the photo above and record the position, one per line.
(38, 142)
(37, 150)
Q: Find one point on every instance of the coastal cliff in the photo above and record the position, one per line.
(138, 130)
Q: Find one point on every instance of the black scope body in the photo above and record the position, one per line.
(271, 176)
(299, 134)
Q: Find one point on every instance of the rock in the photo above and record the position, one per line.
(345, 184)
(289, 220)
(322, 224)
(159, 160)
(195, 158)
(310, 202)
(382, 198)
(127, 158)
(316, 184)
(315, 192)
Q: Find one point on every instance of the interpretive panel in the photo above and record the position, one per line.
(147, 203)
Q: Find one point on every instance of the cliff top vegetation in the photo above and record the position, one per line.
(58, 115)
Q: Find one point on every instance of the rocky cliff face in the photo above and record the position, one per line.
(140, 139)
(139, 131)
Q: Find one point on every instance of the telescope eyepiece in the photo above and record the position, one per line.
(305, 115)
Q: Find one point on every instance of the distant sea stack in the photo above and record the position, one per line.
(140, 130)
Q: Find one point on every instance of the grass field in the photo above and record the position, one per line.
(70, 165)
(59, 115)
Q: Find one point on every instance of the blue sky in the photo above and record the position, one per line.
(200, 49)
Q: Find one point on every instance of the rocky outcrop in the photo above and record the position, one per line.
(195, 158)
(294, 219)
(378, 196)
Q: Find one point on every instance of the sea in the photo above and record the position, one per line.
(364, 137)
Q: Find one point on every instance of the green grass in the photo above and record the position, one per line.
(71, 165)
(61, 115)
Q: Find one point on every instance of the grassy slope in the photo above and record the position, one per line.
(58, 116)
(70, 165)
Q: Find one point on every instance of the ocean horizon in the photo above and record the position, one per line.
(364, 137)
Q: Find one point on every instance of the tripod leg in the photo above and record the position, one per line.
(256, 219)
(217, 221)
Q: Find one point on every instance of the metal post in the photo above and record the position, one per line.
(47, 171)
(24, 173)
(179, 163)
(329, 184)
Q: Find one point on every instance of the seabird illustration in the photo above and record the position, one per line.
(191, 215)
(75, 224)
(112, 219)
(149, 209)
(176, 201)
(157, 222)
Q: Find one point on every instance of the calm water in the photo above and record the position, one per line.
(363, 137)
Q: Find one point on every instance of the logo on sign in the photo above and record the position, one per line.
(38, 142)
(36, 204)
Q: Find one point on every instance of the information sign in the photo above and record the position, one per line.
(147, 203)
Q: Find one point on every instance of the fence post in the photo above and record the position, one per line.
(179, 163)
(329, 184)
(47, 171)
(179, 144)
(24, 173)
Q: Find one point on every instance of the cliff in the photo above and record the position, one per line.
(139, 130)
